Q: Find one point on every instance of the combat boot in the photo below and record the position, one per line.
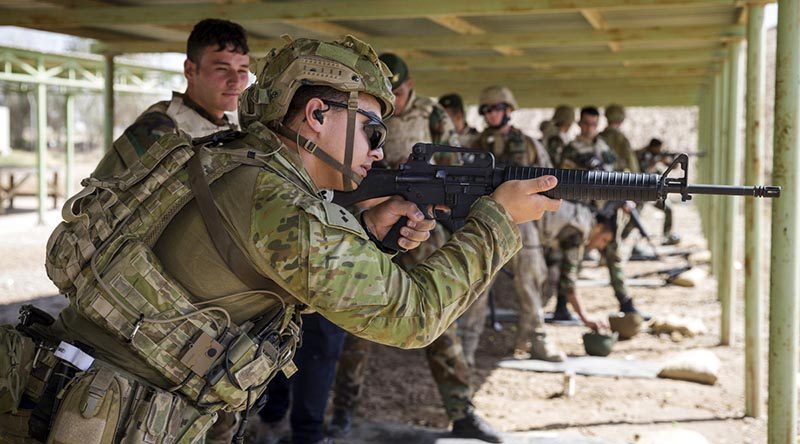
(543, 349)
(473, 426)
(341, 423)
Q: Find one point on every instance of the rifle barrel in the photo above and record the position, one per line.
(730, 190)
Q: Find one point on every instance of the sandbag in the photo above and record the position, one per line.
(699, 366)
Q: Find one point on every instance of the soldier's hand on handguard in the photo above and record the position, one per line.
(522, 200)
(380, 219)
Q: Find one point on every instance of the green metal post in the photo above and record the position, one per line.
(726, 284)
(70, 148)
(108, 96)
(784, 283)
(754, 155)
(41, 148)
(713, 164)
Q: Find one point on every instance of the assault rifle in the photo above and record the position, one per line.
(458, 187)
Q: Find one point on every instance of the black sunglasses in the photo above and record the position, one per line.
(375, 129)
(485, 109)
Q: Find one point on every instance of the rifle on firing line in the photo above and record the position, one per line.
(459, 186)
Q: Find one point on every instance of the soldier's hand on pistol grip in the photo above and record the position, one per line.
(522, 200)
(380, 219)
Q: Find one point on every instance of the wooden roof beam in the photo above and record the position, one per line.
(313, 10)
(487, 41)
(598, 22)
(464, 27)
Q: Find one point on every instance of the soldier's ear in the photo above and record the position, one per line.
(313, 114)
(189, 70)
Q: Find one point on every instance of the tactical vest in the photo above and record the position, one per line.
(100, 257)
(405, 130)
(575, 215)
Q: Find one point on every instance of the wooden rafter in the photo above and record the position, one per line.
(188, 13)
(464, 27)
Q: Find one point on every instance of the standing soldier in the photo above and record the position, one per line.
(652, 160)
(416, 119)
(512, 147)
(216, 68)
(587, 152)
(558, 135)
(619, 144)
(185, 295)
(454, 105)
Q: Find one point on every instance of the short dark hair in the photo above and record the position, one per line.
(223, 34)
(655, 143)
(308, 92)
(590, 111)
(453, 102)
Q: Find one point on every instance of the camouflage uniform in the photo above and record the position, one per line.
(169, 116)
(422, 120)
(619, 144)
(318, 253)
(650, 163)
(595, 154)
(555, 143)
(528, 266)
(180, 113)
(468, 137)
(566, 231)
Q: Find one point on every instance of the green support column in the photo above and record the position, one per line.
(784, 284)
(726, 284)
(754, 157)
(713, 155)
(70, 148)
(41, 148)
(108, 96)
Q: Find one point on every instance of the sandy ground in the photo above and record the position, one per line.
(401, 390)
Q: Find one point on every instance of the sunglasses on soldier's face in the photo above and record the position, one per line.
(486, 109)
(374, 128)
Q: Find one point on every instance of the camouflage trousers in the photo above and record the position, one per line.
(445, 355)
(530, 277)
(564, 263)
(616, 272)
(666, 207)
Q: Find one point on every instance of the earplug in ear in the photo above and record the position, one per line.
(318, 116)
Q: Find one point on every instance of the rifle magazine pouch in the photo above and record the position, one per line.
(90, 409)
(16, 361)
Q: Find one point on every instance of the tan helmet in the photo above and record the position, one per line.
(615, 113)
(497, 94)
(563, 115)
(350, 66)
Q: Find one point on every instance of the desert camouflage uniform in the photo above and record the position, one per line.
(168, 116)
(423, 120)
(619, 144)
(555, 143)
(528, 266)
(318, 253)
(650, 163)
(468, 137)
(580, 154)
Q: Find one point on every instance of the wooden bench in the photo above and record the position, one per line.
(13, 178)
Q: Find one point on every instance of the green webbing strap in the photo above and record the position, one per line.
(314, 149)
(233, 256)
(352, 107)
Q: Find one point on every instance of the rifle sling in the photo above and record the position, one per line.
(234, 257)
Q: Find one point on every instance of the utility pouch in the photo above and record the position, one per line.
(16, 361)
(154, 417)
(90, 409)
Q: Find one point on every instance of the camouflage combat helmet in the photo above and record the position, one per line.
(497, 94)
(564, 114)
(615, 113)
(350, 66)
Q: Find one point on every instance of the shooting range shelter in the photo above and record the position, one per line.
(632, 52)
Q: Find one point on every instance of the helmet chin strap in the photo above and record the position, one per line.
(502, 123)
(348, 176)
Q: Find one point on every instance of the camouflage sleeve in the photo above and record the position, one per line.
(338, 272)
(133, 143)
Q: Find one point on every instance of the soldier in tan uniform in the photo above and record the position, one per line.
(416, 119)
(616, 140)
(216, 68)
(512, 147)
(454, 105)
(187, 272)
(557, 137)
